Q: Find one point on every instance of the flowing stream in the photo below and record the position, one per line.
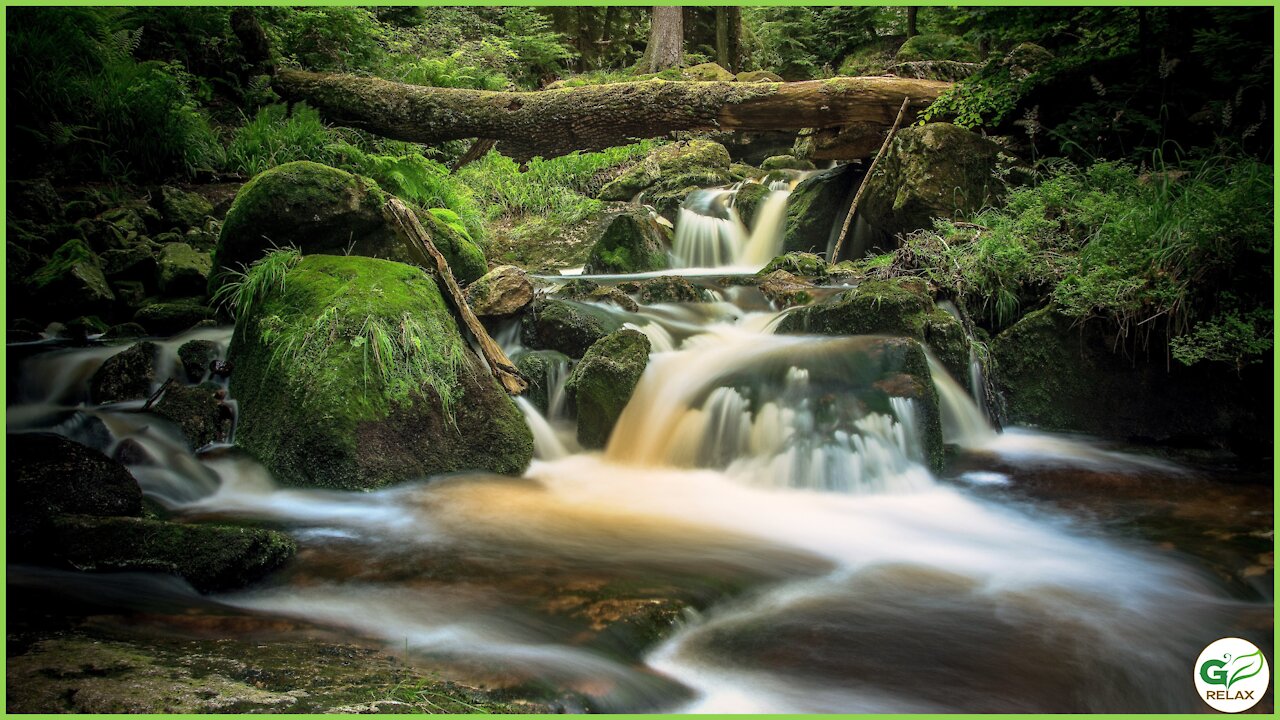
(756, 488)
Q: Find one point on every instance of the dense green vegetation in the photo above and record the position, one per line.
(1087, 97)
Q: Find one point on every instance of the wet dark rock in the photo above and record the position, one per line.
(127, 375)
(48, 474)
(124, 331)
(84, 326)
(210, 557)
(71, 282)
(199, 411)
(815, 207)
(136, 262)
(539, 368)
(565, 326)
(898, 306)
(172, 317)
(665, 289)
(585, 290)
(1057, 374)
(785, 290)
(600, 386)
(196, 356)
(786, 162)
(129, 220)
(33, 200)
(180, 209)
(131, 452)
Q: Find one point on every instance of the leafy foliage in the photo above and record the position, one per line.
(1145, 251)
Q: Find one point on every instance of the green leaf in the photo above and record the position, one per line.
(1245, 667)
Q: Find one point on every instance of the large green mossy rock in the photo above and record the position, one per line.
(352, 374)
(935, 46)
(898, 306)
(325, 211)
(602, 383)
(630, 242)
(184, 271)
(210, 557)
(181, 209)
(815, 206)
(748, 201)
(931, 171)
(1056, 374)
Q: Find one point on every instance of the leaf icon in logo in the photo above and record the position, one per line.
(1244, 667)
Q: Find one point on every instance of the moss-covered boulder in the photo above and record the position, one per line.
(665, 289)
(1057, 374)
(210, 557)
(502, 292)
(629, 242)
(566, 326)
(585, 290)
(938, 170)
(748, 200)
(313, 207)
(752, 76)
(71, 282)
(786, 162)
(543, 369)
(184, 271)
(126, 375)
(600, 386)
(785, 290)
(899, 306)
(198, 411)
(195, 356)
(172, 317)
(323, 210)
(49, 474)
(936, 46)
(815, 207)
(128, 220)
(803, 264)
(692, 163)
(708, 72)
(137, 262)
(352, 374)
(181, 209)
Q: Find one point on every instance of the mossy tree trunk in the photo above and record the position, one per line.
(549, 123)
(728, 37)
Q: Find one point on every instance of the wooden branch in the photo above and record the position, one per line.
(853, 209)
(549, 123)
(420, 245)
(478, 149)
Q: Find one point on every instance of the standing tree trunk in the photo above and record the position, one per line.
(912, 12)
(728, 37)
(666, 38)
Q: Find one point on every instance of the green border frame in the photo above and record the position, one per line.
(638, 3)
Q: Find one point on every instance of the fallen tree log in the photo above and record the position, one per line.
(549, 123)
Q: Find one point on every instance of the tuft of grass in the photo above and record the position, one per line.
(246, 287)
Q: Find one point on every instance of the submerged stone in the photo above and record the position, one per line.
(353, 375)
(127, 375)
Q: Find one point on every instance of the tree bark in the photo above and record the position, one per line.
(666, 38)
(549, 123)
(728, 32)
(912, 13)
(428, 256)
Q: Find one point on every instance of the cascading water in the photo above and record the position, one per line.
(779, 483)
(710, 234)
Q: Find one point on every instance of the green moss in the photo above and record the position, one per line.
(813, 209)
(802, 264)
(936, 46)
(352, 374)
(566, 326)
(601, 385)
(169, 318)
(748, 200)
(210, 557)
(630, 243)
(466, 259)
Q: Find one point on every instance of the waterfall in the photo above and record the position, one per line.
(709, 233)
(963, 423)
(759, 407)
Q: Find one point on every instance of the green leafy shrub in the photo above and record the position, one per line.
(274, 137)
(1145, 251)
(327, 38)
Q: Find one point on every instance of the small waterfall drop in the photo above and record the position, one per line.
(710, 234)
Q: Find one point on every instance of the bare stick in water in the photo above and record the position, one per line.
(425, 252)
(853, 209)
